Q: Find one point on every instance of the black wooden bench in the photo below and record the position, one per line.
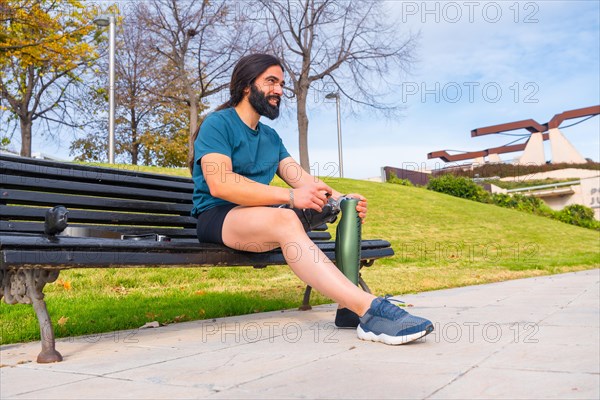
(105, 203)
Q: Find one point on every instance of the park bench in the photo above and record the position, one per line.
(115, 216)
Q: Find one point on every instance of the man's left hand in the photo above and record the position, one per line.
(361, 207)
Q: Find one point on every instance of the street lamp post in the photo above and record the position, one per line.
(109, 21)
(336, 96)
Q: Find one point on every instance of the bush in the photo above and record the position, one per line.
(394, 179)
(522, 203)
(579, 215)
(459, 186)
(465, 188)
(504, 200)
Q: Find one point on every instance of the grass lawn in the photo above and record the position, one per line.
(440, 242)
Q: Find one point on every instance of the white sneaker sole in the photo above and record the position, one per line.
(391, 340)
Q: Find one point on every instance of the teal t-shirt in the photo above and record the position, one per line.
(255, 154)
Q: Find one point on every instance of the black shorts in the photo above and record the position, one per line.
(210, 223)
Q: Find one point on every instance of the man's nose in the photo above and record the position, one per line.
(278, 89)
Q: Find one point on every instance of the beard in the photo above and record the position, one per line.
(261, 104)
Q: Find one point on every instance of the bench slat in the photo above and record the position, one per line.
(175, 233)
(23, 164)
(79, 173)
(9, 241)
(38, 228)
(23, 197)
(95, 189)
(100, 217)
(94, 259)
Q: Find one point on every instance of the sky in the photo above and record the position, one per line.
(480, 63)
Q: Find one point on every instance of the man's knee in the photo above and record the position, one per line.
(286, 221)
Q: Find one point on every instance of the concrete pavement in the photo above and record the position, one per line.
(530, 338)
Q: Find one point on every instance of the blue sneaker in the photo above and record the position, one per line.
(387, 323)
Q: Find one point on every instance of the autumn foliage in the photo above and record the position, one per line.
(42, 45)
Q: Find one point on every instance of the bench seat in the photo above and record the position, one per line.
(72, 252)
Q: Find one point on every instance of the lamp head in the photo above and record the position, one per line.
(102, 20)
(332, 95)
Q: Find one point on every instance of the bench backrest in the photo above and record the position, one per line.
(120, 200)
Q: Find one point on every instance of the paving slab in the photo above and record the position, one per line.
(529, 339)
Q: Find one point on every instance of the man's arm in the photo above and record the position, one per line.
(294, 175)
(228, 185)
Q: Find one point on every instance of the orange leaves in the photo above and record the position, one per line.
(151, 315)
(64, 284)
(47, 34)
(122, 290)
(179, 318)
(62, 321)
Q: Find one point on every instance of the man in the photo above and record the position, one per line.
(235, 159)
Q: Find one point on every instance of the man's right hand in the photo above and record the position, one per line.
(312, 195)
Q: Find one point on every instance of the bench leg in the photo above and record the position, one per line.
(363, 284)
(48, 353)
(306, 301)
(361, 281)
(25, 286)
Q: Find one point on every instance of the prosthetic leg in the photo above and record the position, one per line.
(347, 255)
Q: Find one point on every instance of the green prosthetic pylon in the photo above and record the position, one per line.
(347, 240)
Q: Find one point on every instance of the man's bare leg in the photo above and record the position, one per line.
(260, 229)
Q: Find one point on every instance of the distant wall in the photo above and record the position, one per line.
(415, 177)
(590, 192)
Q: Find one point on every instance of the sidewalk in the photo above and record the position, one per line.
(529, 338)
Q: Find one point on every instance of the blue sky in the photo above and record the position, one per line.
(479, 63)
(475, 69)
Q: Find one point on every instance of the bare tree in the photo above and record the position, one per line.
(136, 108)
(170, 56)
(199, 45)
(351, 47)
(137, 76)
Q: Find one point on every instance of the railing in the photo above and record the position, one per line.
(548, 186)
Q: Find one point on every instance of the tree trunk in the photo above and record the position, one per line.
(193, 121)
(303, 128)
(135, 149)
(25, 137)
(135, 145)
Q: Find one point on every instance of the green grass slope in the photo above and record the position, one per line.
(443, 241)
(440, 242)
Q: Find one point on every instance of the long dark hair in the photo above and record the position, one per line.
(244, 74)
